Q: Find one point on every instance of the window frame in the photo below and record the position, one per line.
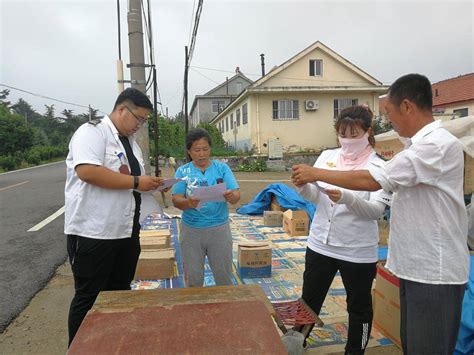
(284, 110)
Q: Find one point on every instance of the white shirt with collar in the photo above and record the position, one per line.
(92, 211)
(348, 229)
(428, 227)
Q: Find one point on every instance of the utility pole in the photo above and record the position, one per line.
(137, 69)
(186, 68)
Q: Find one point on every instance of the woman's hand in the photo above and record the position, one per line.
(232, 196)
(193, 202)
(334, 194)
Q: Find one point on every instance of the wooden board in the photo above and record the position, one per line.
(113, 301)
(243, 327)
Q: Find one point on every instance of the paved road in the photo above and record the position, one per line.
(29, 259)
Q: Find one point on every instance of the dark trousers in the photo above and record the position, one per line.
(430, 316)
(98, 265)
(357, 279)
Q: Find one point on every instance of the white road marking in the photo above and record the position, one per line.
(9, 187)
(47, 220)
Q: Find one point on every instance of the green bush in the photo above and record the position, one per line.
(9, 162)
(255, 165)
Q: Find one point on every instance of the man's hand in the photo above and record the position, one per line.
(147, 183)
(333, 194)
(302, 174)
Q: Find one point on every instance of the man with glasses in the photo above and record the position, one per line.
(105, 171)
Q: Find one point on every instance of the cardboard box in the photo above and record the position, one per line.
(384, 231)
(468, 174)
(387, 304)
(275, 206)
(155, 264)
(161, 233)
(273, 218)
(161, 242)
(295, 223)
(254, 260)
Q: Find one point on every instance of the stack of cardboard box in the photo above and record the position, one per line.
(157, 258)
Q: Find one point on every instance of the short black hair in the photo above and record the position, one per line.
(195, 135)
(134, 96)
(413, 87)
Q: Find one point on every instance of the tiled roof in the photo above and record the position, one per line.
(453, 90)
(448, 91)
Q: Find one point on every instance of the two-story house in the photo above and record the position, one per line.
(206, 107)
(296, 102)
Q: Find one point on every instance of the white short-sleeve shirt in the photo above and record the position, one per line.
(92, 211)
(428, 226)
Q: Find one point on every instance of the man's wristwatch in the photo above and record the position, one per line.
(135, 182)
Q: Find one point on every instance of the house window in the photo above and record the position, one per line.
(244, 114)
(237, 117)
(285, 110)
(227, 123)
(461, 112)
(316, 67)
(217, 106)
(341, 104)
(231, 121)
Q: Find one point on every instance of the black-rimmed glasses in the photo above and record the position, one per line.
(140, 120)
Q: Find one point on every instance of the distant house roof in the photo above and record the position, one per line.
(238, 74)
(446, 92)
(453, 90)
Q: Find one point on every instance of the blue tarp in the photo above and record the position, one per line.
(287, 198)
(465, 343)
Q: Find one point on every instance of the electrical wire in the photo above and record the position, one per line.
(204, 76)
(49, 98)
(281, 77)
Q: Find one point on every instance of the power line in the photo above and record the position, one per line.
(49, 98)
(196, 26)
(280, 77)
(208, 78)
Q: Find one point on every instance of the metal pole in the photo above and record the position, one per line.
(137, 69)
(186, 67)
(155, 123)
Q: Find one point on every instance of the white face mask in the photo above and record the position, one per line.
(352, 147)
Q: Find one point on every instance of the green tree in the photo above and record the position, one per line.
(24, 109)
(216, 135)
(3, 98)
(15, 137)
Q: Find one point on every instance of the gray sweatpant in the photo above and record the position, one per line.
(213, 242)
(430, 316)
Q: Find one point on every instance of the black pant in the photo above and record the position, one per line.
(99, 265)
(357, 279)
(430, 316)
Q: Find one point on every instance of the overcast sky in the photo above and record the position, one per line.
(66, 49)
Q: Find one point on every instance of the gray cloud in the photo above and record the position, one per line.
(67, 49)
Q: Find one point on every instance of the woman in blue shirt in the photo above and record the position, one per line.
(205, 229)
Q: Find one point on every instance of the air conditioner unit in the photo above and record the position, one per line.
(311, 105)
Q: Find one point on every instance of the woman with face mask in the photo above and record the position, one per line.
(344, 233)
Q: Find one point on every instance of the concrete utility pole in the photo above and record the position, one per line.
(137, 69)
